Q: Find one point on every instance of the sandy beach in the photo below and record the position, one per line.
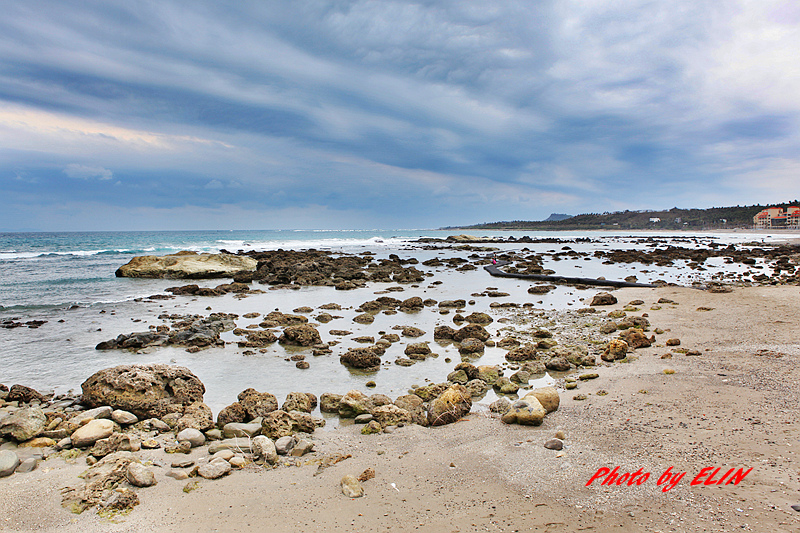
(731, 407)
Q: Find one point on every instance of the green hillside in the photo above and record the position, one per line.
(712, 218)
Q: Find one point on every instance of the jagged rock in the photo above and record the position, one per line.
(354, 403)
(300, 401)
(558, 364)
(145, 390)
(302, 335)
(603, 298)
(636, 339)
(506, 386)
(615, 349)
(418, 350)
(476, 387)
(257, 404)
(471, 346)
(100, 477)
(413, 404)
(458, 376)
(449, 406)
(280, 423)
(116, 442)
(198, 416)
(501, 406)
(367, 358)
(329, 402)
(23, 394)
(526, 352)
(24, 424)
(413, 303)
(410, 331)
(488, 373)
(443, 332)
(471, 331)
(186, 265)
(479, 318)
(234, 413)
(391, 415)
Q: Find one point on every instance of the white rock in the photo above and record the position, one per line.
(93, 431)
(351, 487)
(264, 448)
(193, 436)
(8, 462)
(138, 475)
(124, 418)
(214, 469)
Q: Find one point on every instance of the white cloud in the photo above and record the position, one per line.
(83, 172)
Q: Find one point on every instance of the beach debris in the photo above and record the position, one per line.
(351, 487)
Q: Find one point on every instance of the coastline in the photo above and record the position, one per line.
(733, 405)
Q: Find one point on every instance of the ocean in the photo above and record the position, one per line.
(67, 281)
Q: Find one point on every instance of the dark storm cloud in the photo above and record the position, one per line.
(406, 113)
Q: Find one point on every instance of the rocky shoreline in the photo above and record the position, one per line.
(128, 410)
(134, 424)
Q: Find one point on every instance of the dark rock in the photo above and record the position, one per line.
(145, 390)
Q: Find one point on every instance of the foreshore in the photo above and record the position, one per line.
(731, 406)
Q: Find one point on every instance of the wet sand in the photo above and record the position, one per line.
(733, 406)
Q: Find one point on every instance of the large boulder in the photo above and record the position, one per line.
(449, 406)
(148, 391)
(24, 424)
(186, 265)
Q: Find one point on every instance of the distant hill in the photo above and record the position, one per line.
(712, 218)
(555, 217)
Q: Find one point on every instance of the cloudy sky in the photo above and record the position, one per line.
(390, 114)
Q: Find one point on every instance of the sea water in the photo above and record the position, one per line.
(67, 280)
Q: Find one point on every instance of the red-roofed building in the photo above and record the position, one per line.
(777, 217)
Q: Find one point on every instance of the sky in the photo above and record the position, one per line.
(159, 115)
